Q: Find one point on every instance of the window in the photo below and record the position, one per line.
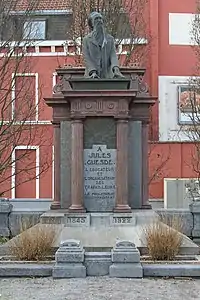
(189, 104)
(35, 30)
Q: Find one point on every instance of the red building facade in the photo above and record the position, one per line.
(170, 63)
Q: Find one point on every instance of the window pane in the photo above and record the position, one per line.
(34, 30)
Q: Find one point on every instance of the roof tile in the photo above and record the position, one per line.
(42, 5)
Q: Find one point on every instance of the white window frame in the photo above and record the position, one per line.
(37, 166)
(185, 118)
(54, 80)
(27, 33)
(36, 96)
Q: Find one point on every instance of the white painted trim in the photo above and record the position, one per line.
(37, 172)
(29, 122)
(49, 43)
(43, 12)
(137, 41)
(53, 49)
(13, 96)
(32, 54)
(54, 80)
(36, 94)
(46, 43)
(65, 44)
(169, 128)
(37, 49)
(36, 97)
(13, 175)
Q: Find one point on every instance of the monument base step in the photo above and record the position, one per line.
(97, 219)
(69, 270)
(99, 231)
(126, 270)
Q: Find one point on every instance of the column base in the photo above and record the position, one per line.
(146, 206)
(76, 209)
(55, 205)
(122, 208)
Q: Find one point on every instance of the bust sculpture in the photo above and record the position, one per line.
(99, 51)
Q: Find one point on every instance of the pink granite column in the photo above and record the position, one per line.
(145, 166)
(77, 177)
(56, 198)
(121, 204)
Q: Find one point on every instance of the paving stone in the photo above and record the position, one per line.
(25, 270)
(171, 270)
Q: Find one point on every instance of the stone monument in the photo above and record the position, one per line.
(100, 118)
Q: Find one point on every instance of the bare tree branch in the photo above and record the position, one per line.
(18, 94)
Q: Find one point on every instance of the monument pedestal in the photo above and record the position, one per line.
(108, 129)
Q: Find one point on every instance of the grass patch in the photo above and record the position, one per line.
(3, 240)
(35, 243)
(163, 237)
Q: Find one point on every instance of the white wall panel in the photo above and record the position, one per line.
(180, 28)
(169, 127)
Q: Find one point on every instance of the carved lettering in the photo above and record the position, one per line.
(121, 220)
(99, 172)
(76, 220)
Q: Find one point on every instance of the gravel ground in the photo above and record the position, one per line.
(100, 288)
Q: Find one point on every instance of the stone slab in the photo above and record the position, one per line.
(19, 218)
(69, 271)
(25, 270)
(52, 217)
(175, 188)
(72, 219)
(73, 257)
(100, 84)
(184, 215)
(126, 270)
(196, 233)
(171, 270)
(4, 231)
(97, 263)
(122, 219)
(125, 257)
(5, 210)
(97, 236)
(100, 219)
(5, 206)
(195, 207)
(99, 178)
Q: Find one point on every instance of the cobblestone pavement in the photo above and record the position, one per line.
(100, 288)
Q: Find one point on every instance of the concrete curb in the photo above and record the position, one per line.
(171, 270)
(25, 270)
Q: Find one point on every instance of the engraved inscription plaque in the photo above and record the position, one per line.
(99, 176)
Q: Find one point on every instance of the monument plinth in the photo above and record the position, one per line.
(100, 142)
